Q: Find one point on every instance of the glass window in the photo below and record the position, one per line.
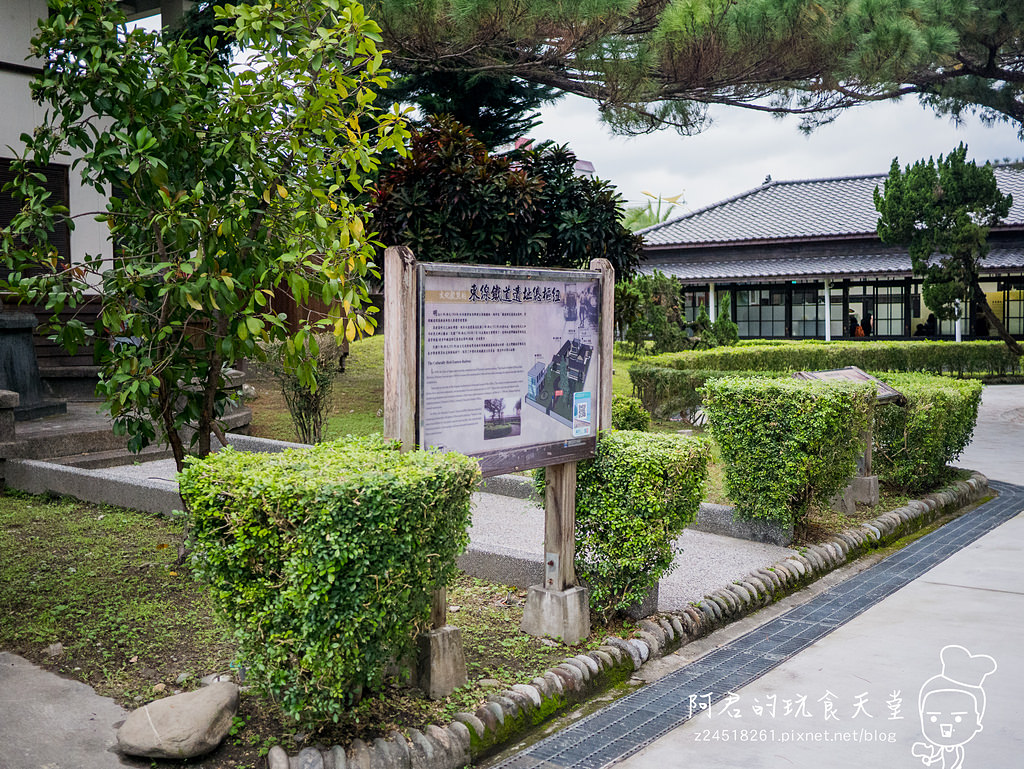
(761, 312)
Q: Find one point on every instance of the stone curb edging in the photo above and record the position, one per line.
(508, 714)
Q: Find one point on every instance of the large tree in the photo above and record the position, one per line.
(452, 200)
(651, 63)
(942, 210)
(498, 109)
(228, 183)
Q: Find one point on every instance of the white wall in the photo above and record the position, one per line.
(19, 114)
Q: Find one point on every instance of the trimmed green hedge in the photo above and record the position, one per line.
(786, 442)
(667, 391)
(632, 501)
(913, 444)
(960, 358)
(322, 560)
(630, 414)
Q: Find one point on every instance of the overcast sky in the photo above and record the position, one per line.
(742, 147)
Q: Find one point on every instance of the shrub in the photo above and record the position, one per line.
(669, 383)
(322, 560)
(959, 358)
(307, 405)
(632, 500)
(630, 414)
(668, 390)
(913, 444)
(786, 443)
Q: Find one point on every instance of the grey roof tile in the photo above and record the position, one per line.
(816, 208)
(813, 266)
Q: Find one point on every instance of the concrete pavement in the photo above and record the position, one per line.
(860, 684)
(49, 722)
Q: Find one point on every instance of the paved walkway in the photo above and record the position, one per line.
(835, 680)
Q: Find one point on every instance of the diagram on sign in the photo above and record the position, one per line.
(558, 387)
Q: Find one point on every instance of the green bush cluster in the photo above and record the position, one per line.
(666, 391)
(630, 414)
(786, 442)
(632, 501)
(669, 383)
(934, 357)
(913, 444)
(322, 560)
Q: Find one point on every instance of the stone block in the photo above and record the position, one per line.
(559, 614)
(441, 663)
(844, 502)
(865, 489)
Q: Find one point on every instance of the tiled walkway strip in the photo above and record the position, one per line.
(633, 722)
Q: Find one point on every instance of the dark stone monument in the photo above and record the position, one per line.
(19, 370)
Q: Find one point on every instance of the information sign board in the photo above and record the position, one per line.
(509, 361)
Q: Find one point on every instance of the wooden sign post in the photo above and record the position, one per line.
(560, 608)
(465, 342)
(441, 662)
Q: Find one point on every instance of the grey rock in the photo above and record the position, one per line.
(182, 678)
(798, 564)
(55, 650)
(490, 683)
(181, 726)
(383, 755)
(642, 649)
(584, 669)
(744, 598)
(627, 648)
(589, 663)
(472, 722)
(530, 692)
(612, 651)
(523, 702)
(569, 681)
(771, 578)
(310, 758)
(486, 716)
(653, 643)
(359, 755)
(400, 751)
(508, 705)
(215, 678)
(555, 682)
(693, 622)
(677, 626)
(604, 658)
(277, 758)
(442, 743)
(458, 736)
(573, 672)
(497, 710)
(337, 755)
(654, 629)
(421, 751)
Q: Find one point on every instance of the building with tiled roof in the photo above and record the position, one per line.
(791, 254)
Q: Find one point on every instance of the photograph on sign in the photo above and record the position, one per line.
(509, 363)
